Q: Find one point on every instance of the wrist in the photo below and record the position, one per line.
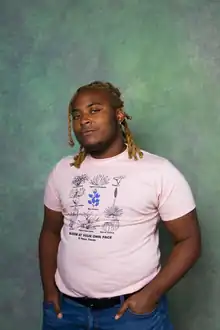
(153, 290)
(50, 289)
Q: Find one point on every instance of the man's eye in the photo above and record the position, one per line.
(95, 110)
(76, 116)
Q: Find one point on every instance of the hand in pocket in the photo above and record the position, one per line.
(54, 299)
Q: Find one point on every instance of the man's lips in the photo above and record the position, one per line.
(87, 132)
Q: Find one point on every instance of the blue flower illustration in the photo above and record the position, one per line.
(94, 198)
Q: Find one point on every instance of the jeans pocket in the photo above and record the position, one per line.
(48, 305)
(50, 319)
(147, 314)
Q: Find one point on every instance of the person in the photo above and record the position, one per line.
(99, 250)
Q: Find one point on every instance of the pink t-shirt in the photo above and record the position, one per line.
(111, 208)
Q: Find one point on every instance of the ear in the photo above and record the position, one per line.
(120, 115)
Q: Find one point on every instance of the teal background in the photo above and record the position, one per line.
(165, 57)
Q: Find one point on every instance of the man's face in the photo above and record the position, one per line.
(95, 123)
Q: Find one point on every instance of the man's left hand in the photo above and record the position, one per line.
(140, 303)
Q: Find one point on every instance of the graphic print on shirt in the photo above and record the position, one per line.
(113, 212)
(97, 183)
(99, 180)
(89, 221)
(76, 193)
(94, 199)
(85, 221)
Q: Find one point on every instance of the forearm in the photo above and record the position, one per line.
(48, 248)
(182, 258)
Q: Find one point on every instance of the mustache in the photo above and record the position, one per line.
(87, 129)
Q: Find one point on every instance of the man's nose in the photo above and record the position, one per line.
(84, 120)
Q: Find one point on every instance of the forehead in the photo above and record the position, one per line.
(87, 97)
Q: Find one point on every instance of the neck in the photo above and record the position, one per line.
(114, 149)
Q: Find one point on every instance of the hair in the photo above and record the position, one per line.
(117, 103)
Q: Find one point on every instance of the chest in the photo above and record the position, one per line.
(112, 196)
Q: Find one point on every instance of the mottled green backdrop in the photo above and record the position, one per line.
(165, 56)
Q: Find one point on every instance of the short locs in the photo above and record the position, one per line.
(117, 103)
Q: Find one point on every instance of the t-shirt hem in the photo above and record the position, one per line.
(52, 207)
(180, 214)
(129, 290)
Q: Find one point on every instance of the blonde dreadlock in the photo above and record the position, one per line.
(133, 150)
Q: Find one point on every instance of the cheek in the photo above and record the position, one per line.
(76, 126)
(107, 131)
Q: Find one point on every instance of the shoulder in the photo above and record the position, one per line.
(64, 162)
(62, 166)
(151, 160)
(160, 166)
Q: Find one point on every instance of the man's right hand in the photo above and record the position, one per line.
(54, 298)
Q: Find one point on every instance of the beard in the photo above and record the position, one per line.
(97, 148)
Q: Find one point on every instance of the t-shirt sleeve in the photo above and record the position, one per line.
(175, 195)
(51, 193)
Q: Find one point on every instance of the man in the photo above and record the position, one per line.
(98, 247)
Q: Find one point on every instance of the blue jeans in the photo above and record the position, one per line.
(79, 317)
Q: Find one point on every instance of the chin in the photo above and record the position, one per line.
(93, 147)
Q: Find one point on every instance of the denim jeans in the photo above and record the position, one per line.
(79, 317)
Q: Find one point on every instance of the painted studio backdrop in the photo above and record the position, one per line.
(165, 57)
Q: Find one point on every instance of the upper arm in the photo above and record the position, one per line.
(53, 216)
(53, 221)
(177, 207)
(185, 227)
(175, 198)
